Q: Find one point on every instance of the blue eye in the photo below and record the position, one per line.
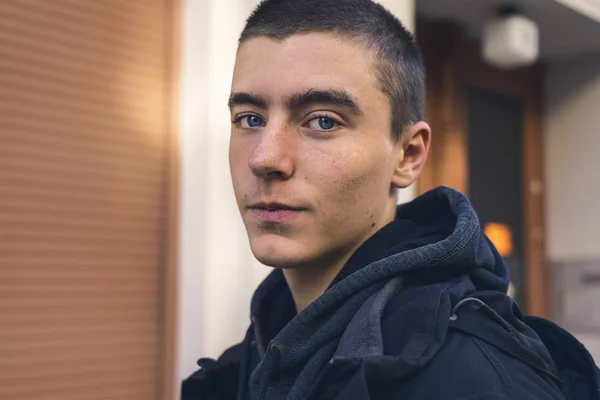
(249, 122)
(323, 124)
(254, 121)
(326, 123)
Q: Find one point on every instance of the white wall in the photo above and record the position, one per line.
(572, 129)
(217, 273)
(572, 151)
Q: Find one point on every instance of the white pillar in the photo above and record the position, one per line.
(217, 272)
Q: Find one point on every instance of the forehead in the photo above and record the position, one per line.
(276, 68)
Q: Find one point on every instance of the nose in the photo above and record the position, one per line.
(272, 158)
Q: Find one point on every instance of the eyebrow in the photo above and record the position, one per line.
(334, 97)
(246, 99)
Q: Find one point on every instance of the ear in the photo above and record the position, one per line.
(413, 148)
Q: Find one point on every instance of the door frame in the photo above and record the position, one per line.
(453, 63)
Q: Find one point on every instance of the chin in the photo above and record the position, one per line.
(278, 252)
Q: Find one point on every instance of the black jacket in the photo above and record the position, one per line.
(418, 312)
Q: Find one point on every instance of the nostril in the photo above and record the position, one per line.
(275, 174)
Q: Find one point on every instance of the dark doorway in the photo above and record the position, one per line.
(494, 131)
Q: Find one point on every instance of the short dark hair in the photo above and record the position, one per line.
(398, 60)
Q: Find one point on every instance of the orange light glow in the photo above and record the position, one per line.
(501, 237)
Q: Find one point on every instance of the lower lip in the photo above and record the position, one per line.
(281, 215)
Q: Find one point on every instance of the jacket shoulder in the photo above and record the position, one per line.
(463, 369)
(479, 358)
(212, 379)
(467, 367)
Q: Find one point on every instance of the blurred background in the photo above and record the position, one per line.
(122, 255)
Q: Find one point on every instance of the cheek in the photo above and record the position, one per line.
(238, 158)
(239, 171)
(351, 182)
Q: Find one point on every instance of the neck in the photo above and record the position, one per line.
(307, 283)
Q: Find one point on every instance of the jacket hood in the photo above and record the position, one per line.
(312, 336)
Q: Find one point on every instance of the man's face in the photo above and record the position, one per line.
(311, 151)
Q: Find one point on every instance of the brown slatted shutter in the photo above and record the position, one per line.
(84, 137)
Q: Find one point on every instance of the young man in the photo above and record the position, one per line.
(366, 300)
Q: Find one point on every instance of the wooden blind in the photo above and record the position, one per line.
(84, 137)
